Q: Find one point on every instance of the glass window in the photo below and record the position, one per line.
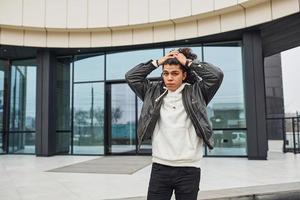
(119, 63)
(63, 104)
(22, 106)
(147, 144)
(88, 118)
(22, 142)
(23, 96)
(227, 108)
(63, 142)
(229, 142)
(89, 68)
(63, 93)
(123, 121)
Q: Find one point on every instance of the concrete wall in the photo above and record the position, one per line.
(96, 23)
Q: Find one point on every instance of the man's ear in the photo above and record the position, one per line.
(184, 76)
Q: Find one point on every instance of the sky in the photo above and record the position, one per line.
(291, 79)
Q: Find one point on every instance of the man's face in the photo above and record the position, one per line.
(173, 76)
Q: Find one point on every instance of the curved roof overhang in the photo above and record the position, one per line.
(135, 22)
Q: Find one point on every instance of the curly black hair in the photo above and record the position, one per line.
(187, 52)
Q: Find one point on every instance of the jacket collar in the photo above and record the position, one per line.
(181, 87)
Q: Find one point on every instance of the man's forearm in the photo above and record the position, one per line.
(210, 78)
(136, 78)
(140, 72)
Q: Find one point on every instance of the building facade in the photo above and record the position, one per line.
(62, 67)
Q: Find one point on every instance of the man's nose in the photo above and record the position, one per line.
(170, 77)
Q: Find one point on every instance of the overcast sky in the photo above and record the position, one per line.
(291, 79)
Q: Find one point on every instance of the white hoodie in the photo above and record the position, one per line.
(174, 141)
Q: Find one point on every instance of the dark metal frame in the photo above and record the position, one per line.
(6, 106)
(72, 108)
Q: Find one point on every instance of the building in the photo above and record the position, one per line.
(62, 66)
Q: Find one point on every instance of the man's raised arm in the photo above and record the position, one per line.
(137, 78)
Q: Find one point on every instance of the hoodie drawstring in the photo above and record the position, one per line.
(157, 99)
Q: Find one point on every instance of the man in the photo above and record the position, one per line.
(174, 116)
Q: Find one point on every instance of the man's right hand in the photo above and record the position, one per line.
(166, 57)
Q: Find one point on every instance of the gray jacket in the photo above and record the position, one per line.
(204, 78)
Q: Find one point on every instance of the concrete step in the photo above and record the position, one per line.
(283, 191)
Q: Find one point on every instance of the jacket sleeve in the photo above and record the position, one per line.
(136, 78)
(208, 78)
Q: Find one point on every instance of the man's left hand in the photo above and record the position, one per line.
(180, 57)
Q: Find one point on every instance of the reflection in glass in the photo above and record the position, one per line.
(119, 63)
(227, 108)
(88, 118)
(23, 93)
(22, 142)
(22, 106)
(123, 120)
(229, 142)
(63, 104)
(89, 68)
(147, 144)
(63, 142)
(1, 105)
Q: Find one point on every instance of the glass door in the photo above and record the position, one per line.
(88, 118)
(121, 119)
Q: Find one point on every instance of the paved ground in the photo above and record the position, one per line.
(24, 177)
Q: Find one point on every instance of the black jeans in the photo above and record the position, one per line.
(164, 179)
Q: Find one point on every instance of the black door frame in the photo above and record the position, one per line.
(6, 107)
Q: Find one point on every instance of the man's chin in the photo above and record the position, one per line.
(172, 88)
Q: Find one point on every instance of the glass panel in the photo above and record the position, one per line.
(63, 142)
(23, 96)
(119, 63)
(196, 50)
(123, 122)
(63, 93)
(227, 109)
(229, 142)
(88, 118)
(22, 106)
(63, 104)
(146, 146)
(89, 68)
(1, 105)
(22, 142)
